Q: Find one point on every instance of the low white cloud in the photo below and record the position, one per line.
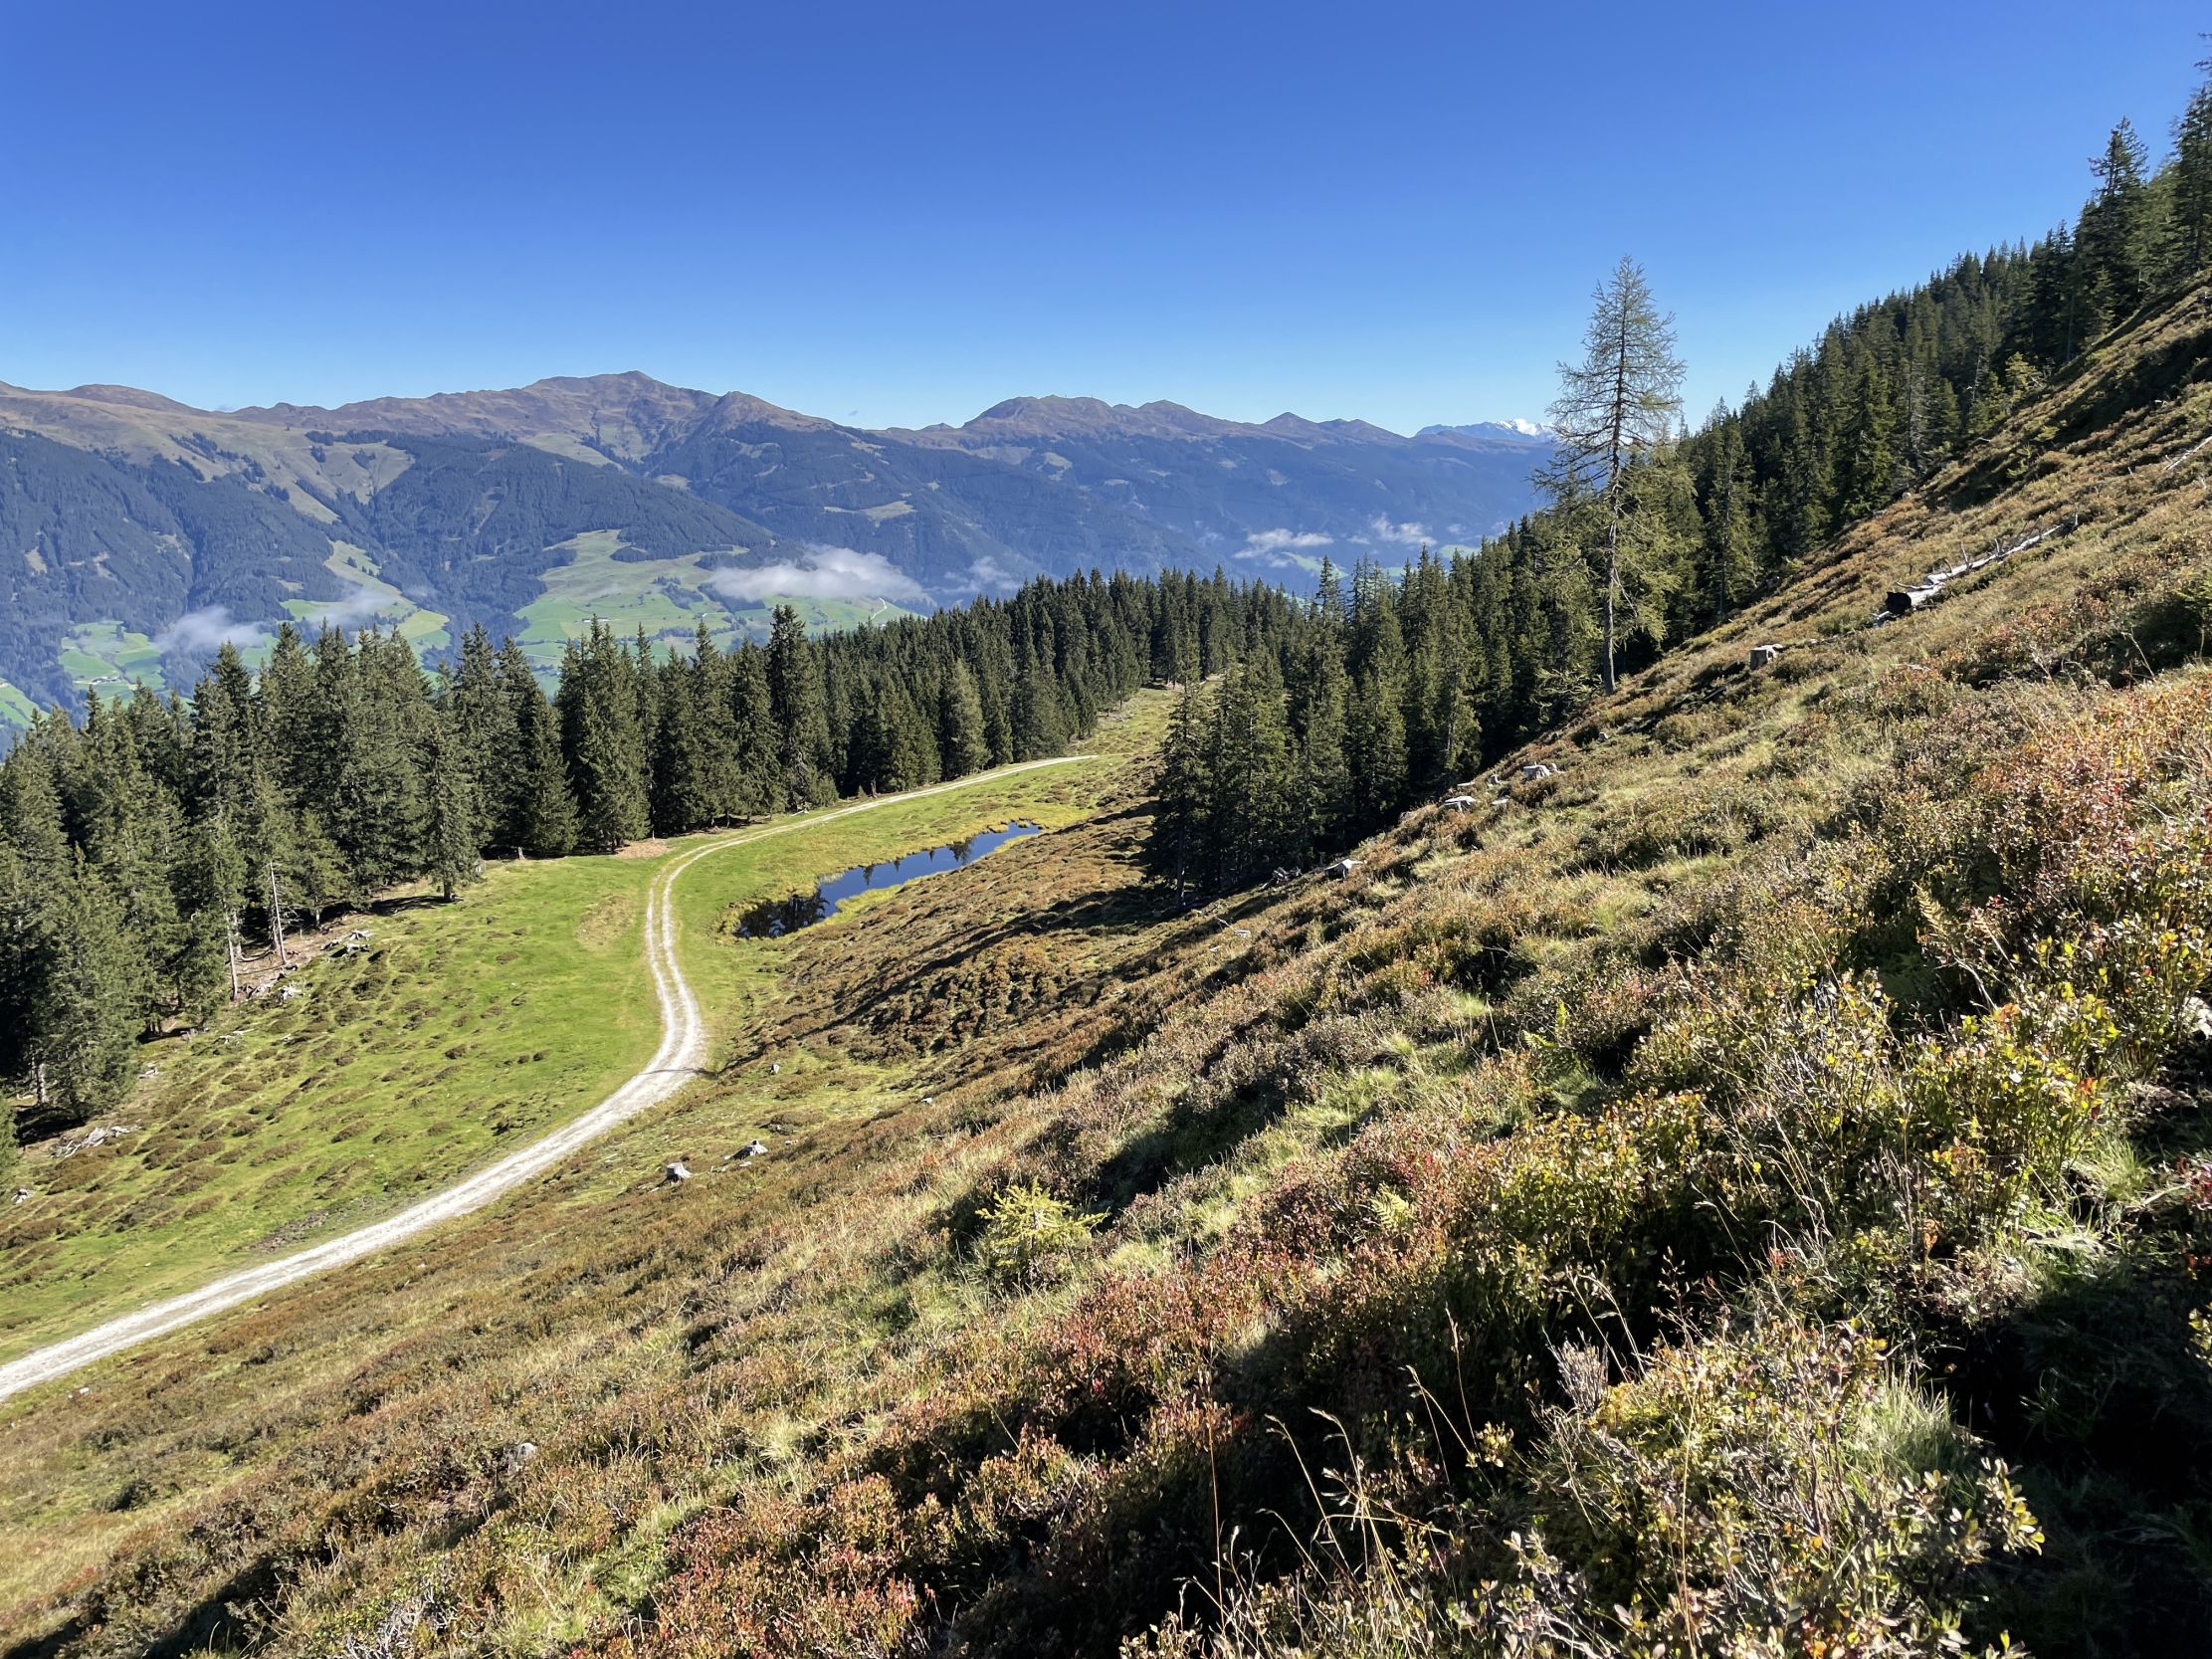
(822, 573)
(362, 604)
(1264, 544)
(1383, 533)
(988, 572)
(207, 630)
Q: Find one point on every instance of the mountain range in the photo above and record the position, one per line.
(137, 533)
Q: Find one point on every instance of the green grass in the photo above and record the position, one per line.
(16, 710)
(733, 976)
(459, 1032)
(820, 1097)
(1577, 1111)
(110, 656)
(426, 630)
(667, 597)
(462, 1031)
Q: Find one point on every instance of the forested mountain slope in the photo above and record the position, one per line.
(142, 532)
(1737, 1191)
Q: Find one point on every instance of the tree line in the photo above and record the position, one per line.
(1329, 722)
(143, 844)
(140, 844)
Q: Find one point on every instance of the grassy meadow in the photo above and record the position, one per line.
(1744, 1192)
(667, 597)
(458, 1032)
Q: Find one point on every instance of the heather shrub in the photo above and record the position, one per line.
(1779, 1493)
(1746, 1495)
(774, 1579)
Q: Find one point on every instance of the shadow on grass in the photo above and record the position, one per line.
(2095, 1394)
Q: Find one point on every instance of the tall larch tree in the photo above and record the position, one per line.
(1614, 407)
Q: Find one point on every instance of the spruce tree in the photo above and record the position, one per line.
(1251, 811)
(1375, 724)
(711, 675)
(314, 879)
(683, 784)
(21, 952)
(1040, 726)
(83, 1013)
(365, 772)
(130, 836)
(1317, 711)
(454, 823)
(2118, 232)
(1428, 703)
(916, 744)
(1174, 844)
(542, 816)
(287, 694)
(30, 814)
(1803, 488)
(1728, 561)
(518, 817)
(210, 882)
(2189, 230)
(601, 740)
(484, 731)
(798, 715)
(760, 762)
(995, 674)
(267, 833)
(962, 743)
(1867, 478)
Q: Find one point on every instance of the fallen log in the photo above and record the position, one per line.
(1904, 601)
(2192, 450)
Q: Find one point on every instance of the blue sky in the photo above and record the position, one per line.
(894, 215)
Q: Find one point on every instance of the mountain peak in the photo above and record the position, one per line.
(625, 414)
(1184, 419)
(1516, 430)
(130, 397)
(1052, 416)
(1071, 417)
(1042, 416)
(629, 382)
(1288, 425)
(744, 409)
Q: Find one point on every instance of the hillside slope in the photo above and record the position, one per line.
(148, 532)
(1740, 1191)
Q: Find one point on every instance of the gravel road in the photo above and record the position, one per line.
(682, 1051)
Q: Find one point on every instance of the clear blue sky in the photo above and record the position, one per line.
(900, 214)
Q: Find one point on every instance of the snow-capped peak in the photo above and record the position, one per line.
(1518, 430)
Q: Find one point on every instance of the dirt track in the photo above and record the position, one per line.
(683, 1049)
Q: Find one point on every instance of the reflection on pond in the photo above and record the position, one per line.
(773, 917)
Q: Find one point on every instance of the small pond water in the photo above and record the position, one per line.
(773, 917)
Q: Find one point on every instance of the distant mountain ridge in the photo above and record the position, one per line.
(134, 529)
(1517, 431)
